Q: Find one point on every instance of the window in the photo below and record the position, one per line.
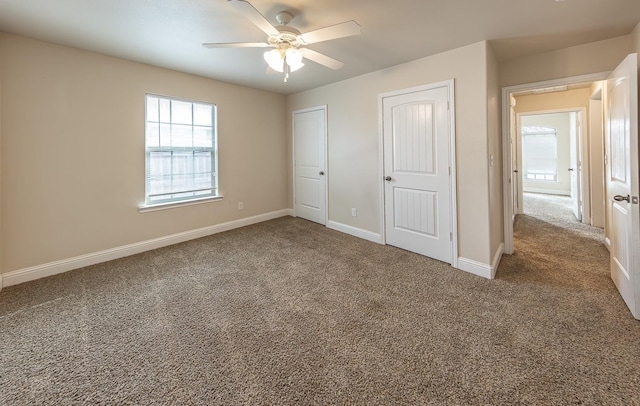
(181, 156)
(540, 153)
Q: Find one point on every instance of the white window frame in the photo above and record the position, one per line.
(197, 195)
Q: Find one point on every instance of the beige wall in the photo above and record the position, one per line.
(595, 57)
(73, 152)
(495, 149)
(354, 155)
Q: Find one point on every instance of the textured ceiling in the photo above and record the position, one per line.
(169, 33)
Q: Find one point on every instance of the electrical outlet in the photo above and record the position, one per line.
(240, 205)
(354, 212)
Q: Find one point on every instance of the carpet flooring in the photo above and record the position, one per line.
(290, 312)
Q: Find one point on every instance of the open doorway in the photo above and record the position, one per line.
(619, 110)
(520, 100)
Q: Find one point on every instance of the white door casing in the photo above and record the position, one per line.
(507, 125)
(621, 125)
(575, 166)
(310, 177)
(419, 204)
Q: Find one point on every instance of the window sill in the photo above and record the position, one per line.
(172, 205)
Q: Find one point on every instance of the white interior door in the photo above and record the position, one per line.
(575, 165)
(515, 171)
(309, 139)
(621, 123)
(416, 135)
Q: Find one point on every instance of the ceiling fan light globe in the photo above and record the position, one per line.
(275, 60)
(294, 66)
(293, 56)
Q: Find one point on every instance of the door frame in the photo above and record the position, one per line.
(453, 209)
(506, 150)
(326, 153)
(583, 151)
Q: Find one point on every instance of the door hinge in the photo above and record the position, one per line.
(605, 159)
(448, 105)
(449, 171)
(451, 236)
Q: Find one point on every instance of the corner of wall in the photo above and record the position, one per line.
(635, 37)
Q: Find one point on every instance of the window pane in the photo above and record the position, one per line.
(202, 137)
(180, 112)
(152, 108)
(202, 162)
(165, 110)
(153, 135)
(202, 181)
(202, 114)
(165, 135)
(159, 164)
(160, 185)
(181, 136)
(182, 183)
(182, 163)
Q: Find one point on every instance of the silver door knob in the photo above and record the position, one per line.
(388, 178)
(570, 169)
(321, 173)
(620, 198)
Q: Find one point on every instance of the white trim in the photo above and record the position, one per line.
(172, 205)
(356, 232)
(475, 267)
(506, 150)
(496, 260)
(324, 108)
(453, 188)
(56, 267)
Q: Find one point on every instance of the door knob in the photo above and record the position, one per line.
(620, 198)
(321, 173)
(516, 171)
(388, 178)
(570, 169)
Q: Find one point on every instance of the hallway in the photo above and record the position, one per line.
(556, 210)
(553, 248)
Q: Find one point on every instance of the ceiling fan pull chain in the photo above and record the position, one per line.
(286, 69)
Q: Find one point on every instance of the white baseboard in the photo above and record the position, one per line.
(356, 232)
(480, 269)
(56, 267)
(496, 260)
(475, 267)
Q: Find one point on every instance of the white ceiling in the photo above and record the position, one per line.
(169, 33)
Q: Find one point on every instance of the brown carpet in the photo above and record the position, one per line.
(289, 312)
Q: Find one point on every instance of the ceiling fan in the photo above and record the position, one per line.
(288, 43)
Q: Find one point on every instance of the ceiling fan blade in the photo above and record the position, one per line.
(236, 45)
(254, 16)
(341, 30)
(322, 59)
